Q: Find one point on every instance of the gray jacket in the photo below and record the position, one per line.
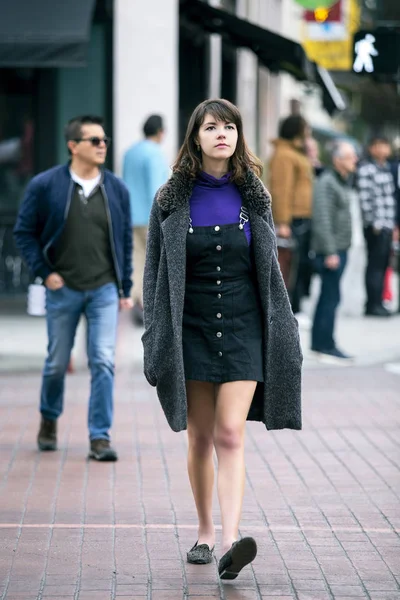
(331, 219)
(277, 402)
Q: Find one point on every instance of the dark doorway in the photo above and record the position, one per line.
(193, 71)
(34, 105)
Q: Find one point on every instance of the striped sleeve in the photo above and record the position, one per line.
(365, 185)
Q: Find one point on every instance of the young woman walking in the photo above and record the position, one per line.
(221, 343)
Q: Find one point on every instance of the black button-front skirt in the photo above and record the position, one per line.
(222, 320)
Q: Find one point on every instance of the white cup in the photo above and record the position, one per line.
(36, 300)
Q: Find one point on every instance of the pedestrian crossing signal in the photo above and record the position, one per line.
(377, 52)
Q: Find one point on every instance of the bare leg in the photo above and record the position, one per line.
(201, 416)
(232, 407)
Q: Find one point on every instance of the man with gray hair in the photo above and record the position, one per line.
(331, 239)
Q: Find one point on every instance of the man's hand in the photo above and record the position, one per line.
(396, 234)
(332, 262)
(284, 231)
(54, 282)
(125, 303)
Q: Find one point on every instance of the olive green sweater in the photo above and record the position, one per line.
(83, 253)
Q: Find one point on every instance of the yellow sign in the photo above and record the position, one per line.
(335, 55)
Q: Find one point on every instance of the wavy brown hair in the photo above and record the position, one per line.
(188, 162)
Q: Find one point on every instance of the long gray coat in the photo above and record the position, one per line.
(277, 402)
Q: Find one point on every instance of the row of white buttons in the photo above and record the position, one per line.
(219, 315)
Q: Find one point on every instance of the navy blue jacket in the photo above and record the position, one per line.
(44, 211)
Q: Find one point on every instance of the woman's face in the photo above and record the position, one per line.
(217, 139)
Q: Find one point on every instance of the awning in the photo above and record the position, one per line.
(44, 33)
(331, 97)
(274, 51)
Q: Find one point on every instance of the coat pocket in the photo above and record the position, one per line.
(148, 364)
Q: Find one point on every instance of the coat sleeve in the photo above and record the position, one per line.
(367, 195)
(281, 186)
(156, 173)
(128, 244)
(27, 231)
(153, 252)
(323, 216)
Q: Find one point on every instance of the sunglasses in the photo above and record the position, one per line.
(95, 140)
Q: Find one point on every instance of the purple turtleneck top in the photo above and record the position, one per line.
(216, 202)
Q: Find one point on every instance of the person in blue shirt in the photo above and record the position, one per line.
(144, 170)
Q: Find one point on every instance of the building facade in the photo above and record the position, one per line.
(130, 59)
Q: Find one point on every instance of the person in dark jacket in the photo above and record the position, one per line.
(378, 208)
(221, 343)
(74, 232)
(331, 239)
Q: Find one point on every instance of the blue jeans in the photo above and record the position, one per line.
(64, 309)
(322, 338)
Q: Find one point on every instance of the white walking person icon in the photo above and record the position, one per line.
(365, 50)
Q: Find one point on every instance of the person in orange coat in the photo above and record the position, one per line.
(291, 185)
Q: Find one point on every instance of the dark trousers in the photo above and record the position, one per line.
(378, 256)
(322, 338)
(301, 230)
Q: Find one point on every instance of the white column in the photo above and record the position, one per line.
(247, 78)
(270, 17)
(269, 102)
(215, 75)
(146, 38)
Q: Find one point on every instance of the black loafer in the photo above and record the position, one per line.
(200, 555)
(238, 556)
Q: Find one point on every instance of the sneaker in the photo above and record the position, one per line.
(47, 436)
(333, 356)
(102, 450)
(377, 311)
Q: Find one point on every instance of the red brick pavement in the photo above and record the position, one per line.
(323, 503)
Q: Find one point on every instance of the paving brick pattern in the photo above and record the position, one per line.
(323, 503)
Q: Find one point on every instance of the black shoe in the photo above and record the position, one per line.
(377, 311)
(200, 555)
(47, 436)
(333, 356)
(238, 556)
(101, 450)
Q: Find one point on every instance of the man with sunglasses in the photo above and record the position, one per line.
(74, 231)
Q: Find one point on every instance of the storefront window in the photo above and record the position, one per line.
(17, 131)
